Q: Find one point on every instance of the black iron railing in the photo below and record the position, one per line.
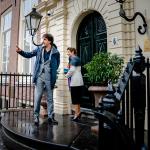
(16, 90)
(124, 111)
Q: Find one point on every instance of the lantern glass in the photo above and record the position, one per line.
(33, 20)
(27, 19)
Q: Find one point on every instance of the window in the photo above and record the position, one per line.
(6, 37)
(27, 6)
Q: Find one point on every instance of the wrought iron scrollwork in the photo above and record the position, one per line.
(120, 1)
(141, 29)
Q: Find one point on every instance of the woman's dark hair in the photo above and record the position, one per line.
(71, 49)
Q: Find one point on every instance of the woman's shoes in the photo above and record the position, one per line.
(76, 118)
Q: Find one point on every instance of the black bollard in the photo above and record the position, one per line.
(109, 101)
(138, 96)
(106, 115)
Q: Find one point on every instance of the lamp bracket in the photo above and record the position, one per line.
(35, 43)
(120, 1)
(141, 29)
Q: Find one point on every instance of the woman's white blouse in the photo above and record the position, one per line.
(76, 76)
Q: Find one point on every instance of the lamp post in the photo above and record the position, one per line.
(33, 20)
(141, 29)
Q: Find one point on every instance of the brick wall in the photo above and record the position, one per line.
(15, 6)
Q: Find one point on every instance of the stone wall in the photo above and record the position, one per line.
(63, 24)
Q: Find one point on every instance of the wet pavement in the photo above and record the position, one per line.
(2, 146)
(68, 133)
(82, 135)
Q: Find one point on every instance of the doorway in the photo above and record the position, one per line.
(91, 38)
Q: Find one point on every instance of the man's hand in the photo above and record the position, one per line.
(18, 49)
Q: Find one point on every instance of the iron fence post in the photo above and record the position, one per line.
(138, 96)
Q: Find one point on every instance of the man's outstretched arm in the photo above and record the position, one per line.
(26, 54)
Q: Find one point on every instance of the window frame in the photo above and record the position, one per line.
(26, 65)
(3, 41)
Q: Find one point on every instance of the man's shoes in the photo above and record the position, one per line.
(36, 120)
(52, 121)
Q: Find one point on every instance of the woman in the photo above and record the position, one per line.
(75, 81)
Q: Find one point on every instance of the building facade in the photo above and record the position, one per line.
(89, 25)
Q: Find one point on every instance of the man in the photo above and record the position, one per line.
(44, 74)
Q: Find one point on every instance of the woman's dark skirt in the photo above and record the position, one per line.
(76, 94)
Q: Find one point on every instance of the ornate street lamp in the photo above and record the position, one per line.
(33, 20)
(141, 29)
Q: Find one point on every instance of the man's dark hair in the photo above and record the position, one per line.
(49, 37)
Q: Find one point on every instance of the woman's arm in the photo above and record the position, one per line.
(70, 72)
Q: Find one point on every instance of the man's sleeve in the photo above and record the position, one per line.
(58, 60)
(29, 54)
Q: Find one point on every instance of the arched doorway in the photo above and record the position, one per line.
(91, 38)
